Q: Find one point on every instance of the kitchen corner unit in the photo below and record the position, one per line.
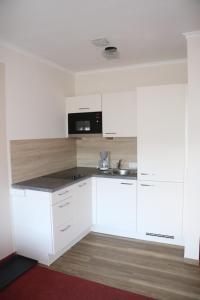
(47, 222)
(53, 212)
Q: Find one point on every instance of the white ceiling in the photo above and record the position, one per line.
(61, 30)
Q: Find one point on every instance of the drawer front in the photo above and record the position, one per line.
(63, 210)
(62, 194)
(63, 235)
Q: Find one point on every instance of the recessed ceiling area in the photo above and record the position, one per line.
(62, 31)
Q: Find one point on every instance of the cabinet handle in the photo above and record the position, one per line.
(126, 183)
(110, 133)
(63, 205)
(66, 228)
(81, 185)
(83, 108)
(61, 194)
(147, 173)
(142, 184)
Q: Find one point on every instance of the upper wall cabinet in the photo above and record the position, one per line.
(88, 103)
(119, 114)
(161, 132)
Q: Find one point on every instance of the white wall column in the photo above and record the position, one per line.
(6, 246)
(192, 183)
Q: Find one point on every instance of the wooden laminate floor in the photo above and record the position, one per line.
(151, 269)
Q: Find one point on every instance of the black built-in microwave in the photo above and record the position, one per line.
(85, 123)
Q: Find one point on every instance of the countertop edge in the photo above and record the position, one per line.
(52, 190)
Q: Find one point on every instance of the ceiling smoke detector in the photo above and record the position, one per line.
(111, 52)
(101, 42)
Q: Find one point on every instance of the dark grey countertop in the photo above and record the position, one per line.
(55, 181)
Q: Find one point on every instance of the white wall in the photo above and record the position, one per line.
(35, 94)
(32, 105)
(6, 246)
(192, 196)
(129, 78)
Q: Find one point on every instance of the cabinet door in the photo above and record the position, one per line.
(160, 207)
(119, 114)
(83, 205)
(161, 132)
(88, 103)
(116, 205)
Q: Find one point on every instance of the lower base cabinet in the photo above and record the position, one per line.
(159, 209)
(116, 206)
(47, 224)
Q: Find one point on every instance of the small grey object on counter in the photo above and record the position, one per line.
(55, 181)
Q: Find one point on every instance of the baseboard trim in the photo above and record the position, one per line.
(192, 261)
(136, 235)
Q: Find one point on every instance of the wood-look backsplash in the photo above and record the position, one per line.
(33, 158)
(120, 148)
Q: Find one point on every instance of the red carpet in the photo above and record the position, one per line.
(43, 284)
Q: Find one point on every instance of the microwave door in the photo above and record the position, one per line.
(85, 123)
(83, 126)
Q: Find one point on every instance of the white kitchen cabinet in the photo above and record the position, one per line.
(159, 209)
(116, 206)
(84, 205)
(119, 114)
(161, 132)
(47, 224)
(32, 219)
(86, 103)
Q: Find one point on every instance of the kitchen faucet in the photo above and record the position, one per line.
(119, 164)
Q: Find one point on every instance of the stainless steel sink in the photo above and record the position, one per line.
(122, 172)
(108, 172)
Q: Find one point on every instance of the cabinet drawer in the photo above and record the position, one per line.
(62, 194)
(63, 235)
(62, 211)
